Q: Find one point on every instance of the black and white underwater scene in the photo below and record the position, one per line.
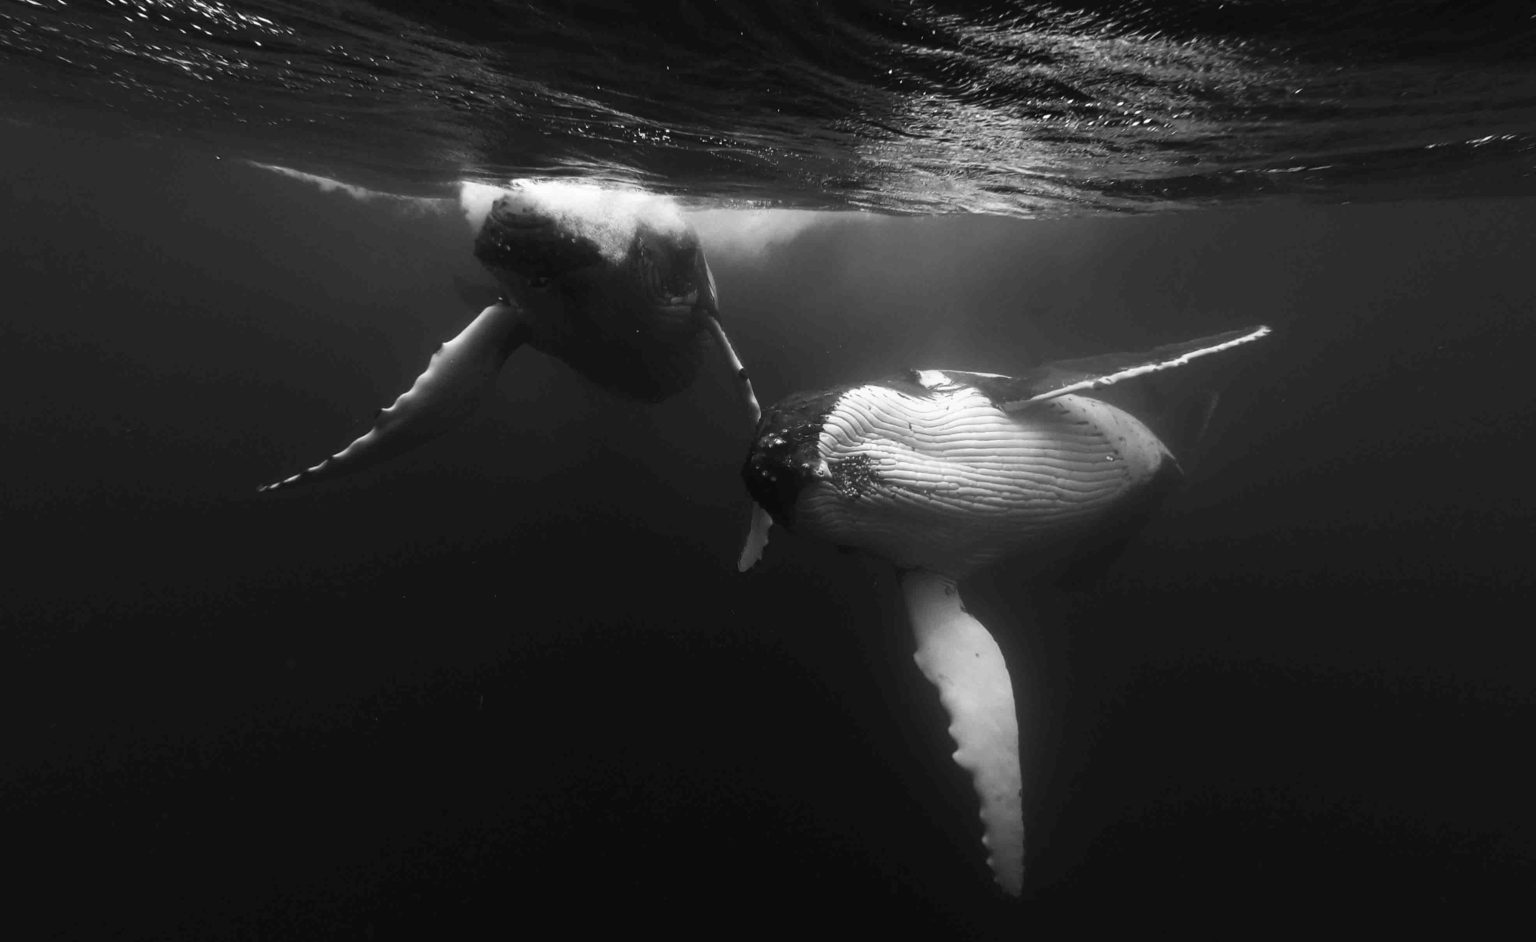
(1136, 399)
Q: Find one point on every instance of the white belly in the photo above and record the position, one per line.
(949, 482)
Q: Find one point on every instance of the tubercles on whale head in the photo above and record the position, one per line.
(605, 216)
(525, 249)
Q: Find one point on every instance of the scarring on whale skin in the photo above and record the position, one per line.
(614, 283)
(942, 472)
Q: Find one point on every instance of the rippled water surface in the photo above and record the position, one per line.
(1012, 108)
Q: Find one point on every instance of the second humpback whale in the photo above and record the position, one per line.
(942, 472)
(612, 282)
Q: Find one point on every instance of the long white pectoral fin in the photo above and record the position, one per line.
(453, 386)
(959, 656)
(709, 299)
(757, 539)
(738, 371)
(1052, 380)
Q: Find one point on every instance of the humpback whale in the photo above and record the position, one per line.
(943, 472)
(612, 282)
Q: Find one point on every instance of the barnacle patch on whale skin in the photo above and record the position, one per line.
(854, 476)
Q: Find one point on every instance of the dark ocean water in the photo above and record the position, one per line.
(514, 681)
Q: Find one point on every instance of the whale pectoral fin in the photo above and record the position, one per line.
(757, 539)
(709, 301)
(959, 656)
(1061, 377)
(743, 381)
(455, 382)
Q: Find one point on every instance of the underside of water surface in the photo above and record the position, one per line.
(1019, 108)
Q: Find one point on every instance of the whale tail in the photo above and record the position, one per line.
(454, 384)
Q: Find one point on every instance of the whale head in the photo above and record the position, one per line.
(526, 247)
